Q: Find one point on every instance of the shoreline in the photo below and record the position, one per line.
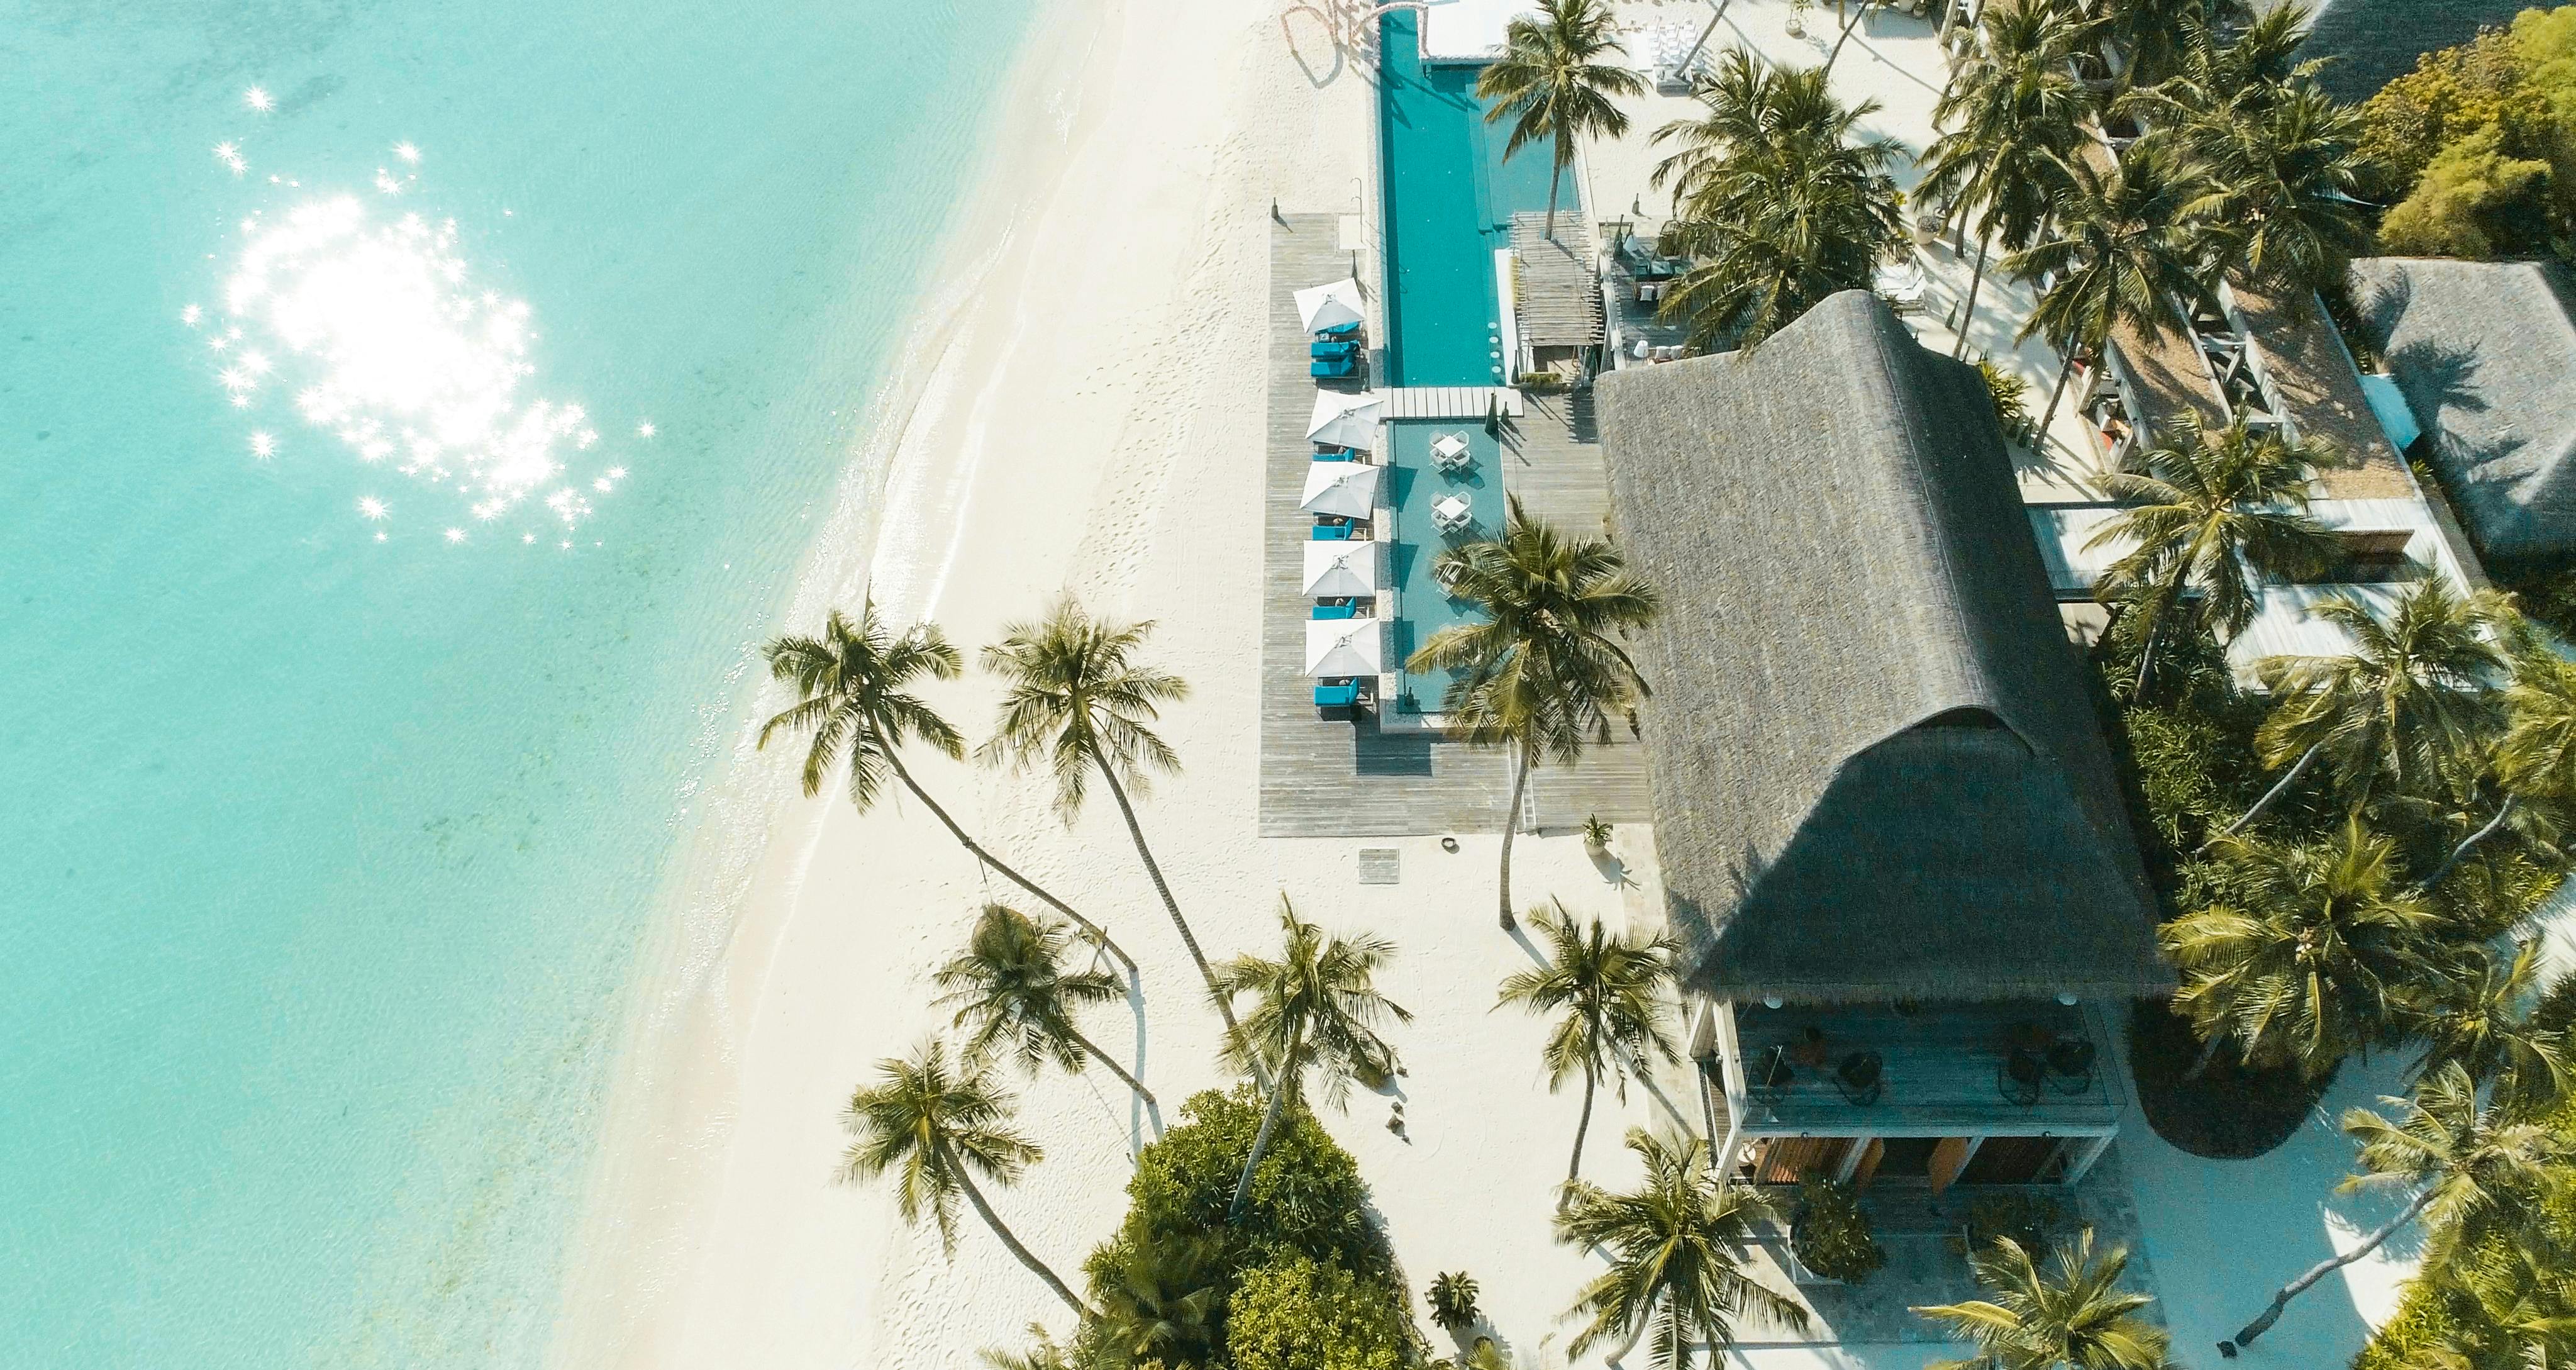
(677, 1062)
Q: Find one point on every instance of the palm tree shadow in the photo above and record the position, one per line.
(1141, 1112)
(1288, 35)
(1614, 871)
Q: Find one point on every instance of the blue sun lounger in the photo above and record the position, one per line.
(1337, 694)
(1335, 611)
(1332, 532)
(1337, 369)
(1329, 351)
(1339, 330)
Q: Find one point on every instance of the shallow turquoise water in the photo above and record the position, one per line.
(328, 855)
(1414, 483)
(1449, 197)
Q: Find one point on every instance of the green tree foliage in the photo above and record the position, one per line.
(1301, 1314)
(2475, 201)
(1180, 1287)
(2477, 145)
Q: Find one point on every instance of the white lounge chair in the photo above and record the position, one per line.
(1902, 286)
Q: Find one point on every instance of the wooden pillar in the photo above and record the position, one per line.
(2084, 1163)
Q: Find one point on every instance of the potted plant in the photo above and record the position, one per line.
(1829, 1236)
(1453, 1300)
(1596, 835)
(1798, 17)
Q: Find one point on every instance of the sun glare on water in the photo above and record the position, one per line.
(370, 325)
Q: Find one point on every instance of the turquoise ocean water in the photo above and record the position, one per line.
(327, 855)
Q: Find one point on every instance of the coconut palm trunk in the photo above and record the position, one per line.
(2503, 811)
(1118, 1070)
(1154, 872)
(1836, 55)
(2272, 795)
(985, 1210)
(1556, 177)
(1582, 1125)
(2272, 1314)
(1521, 767)
(1093, 930)
(1269, 1125)
(1976, 278)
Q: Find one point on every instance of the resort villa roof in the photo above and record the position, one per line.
(2257, 358)
(2485, 353)
(1875, 769)
(2375, 41)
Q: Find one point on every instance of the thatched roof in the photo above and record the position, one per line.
(2486, 355)
(2374, 42)
(1874, 764)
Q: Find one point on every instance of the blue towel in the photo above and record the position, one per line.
(1333, 370)
(1332, 351)
(1339, 330)
(1337, 696)
(1335, 611)
(1332, 532)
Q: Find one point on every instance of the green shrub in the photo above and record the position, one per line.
(1306, 1197)
(1831, 1233)
(2010, 394)
(2476, 201)
(1301, 1314)
(2451, 94)
(1304, 1258)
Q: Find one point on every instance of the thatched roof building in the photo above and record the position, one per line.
(2485, 353)
(2374, 42)
(1875, 769)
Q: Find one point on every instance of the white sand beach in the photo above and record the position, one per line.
(1083, 411)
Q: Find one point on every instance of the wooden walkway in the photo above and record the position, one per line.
(1560, 297)
(1451, 401)
(1335, 778)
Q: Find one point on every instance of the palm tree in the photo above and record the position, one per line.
(2155, 34)
(2536, 756)
(1611, 992)
(2206, 511)
(2469, 1161)
(2320, 962)
(1013, 988)
(2120, 253)
(938, 1128)
(1314, 1008)
(851, 695)
(1538, 671)
(2282, 185)
(1079, 704)
(1160, 1301)
(1552, 81)
(2520, 1306)
(2406, 710)
(2013, 113)
(1677, 1246)
(1772, 191)
(2071, 1316)
(2481, 1020)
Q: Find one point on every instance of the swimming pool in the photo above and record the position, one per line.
(1414, 484)
(1448, 197)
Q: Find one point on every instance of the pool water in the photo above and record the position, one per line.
(1449, 196)
(1414, 484)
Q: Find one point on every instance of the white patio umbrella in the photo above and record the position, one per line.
(1343, 568)
(1345, 420)
(1345, 646)
(1331, 306)
(1348, 488)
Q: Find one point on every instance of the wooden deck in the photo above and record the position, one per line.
(1941, 1067)
(1450, 401)
(1325, 777)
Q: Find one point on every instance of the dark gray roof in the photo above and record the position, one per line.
(2486, 356)
(2376, 41)
(1875, 769)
